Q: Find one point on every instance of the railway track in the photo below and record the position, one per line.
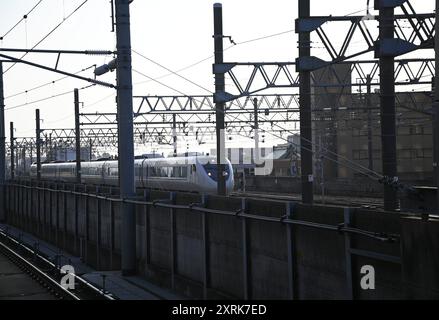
(46, 273)
(367, 203)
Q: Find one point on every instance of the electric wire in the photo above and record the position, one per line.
(172, 72)
(24, 17)
(326, 150)
(47, 98)
(48, 34)
(46, 84)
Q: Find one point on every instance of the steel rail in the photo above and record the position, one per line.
(22, 263)
(52, 266)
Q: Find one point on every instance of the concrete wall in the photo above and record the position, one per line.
(340, 187)
(242, 257)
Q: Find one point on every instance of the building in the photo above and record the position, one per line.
(347, 132)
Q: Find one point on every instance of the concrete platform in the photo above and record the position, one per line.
(124, 288)
(16, 285)
(129, 288)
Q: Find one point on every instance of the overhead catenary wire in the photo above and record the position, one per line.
(23, 18)
(172, 72)
(159, 82)
(46, 84)
(47, 98)
(372, 174)
(49, 33)
(84, 107)
(211, 56)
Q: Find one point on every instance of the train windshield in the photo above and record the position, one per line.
(211, 170)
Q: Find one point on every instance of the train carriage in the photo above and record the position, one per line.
(197, 174)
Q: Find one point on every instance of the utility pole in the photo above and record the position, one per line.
(38, 141)
(256, 128)
(2, 147)
(90, 149)
(369, 122)
(387, 104)
(305, 110)
(11, 132)
(23, 159)
(436, 104)
(174, 133)
(50, 148)
(126, 137)
(219, 106)
(77, 137)
(322, 173)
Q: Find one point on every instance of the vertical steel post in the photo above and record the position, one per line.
(369, 122)
(125, 135)
(65, 217)
(291, 251)
(16, 158)
(86, 225)
(98, 230)
(2, 148)
(387, 105)
(256, 129)
(147, 241)
(90, 149)
(348, 257)
(246, 269)
(436, 104)
(57, 193)
(205, 248)
(77, 137)
(219, 88)
(111, 233)
(38, 142)
(173, 235)
(12, 148)
(49, 149)
(23, 160)
(76, 223)
(38, 209)
(305, 110)
(174, 133)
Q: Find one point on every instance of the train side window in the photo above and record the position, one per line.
(183, 172)
(193, 168)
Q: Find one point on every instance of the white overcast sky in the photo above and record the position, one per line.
(174, 33)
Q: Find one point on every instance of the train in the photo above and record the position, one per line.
(193, 174)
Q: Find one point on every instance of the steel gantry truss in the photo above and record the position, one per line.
(412, 31)
(398, 34)
(158, 118)
(263, 76)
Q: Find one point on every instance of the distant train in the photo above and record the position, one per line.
(176, 173)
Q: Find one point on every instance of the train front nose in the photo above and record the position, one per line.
(211, 171)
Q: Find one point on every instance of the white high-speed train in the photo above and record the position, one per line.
(176, 173)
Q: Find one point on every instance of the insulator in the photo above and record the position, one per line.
(98, 52)
(104, 84)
